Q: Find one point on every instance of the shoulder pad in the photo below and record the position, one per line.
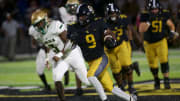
(122, 16)
(97, 18)
(165, 11)
(144, 12)
(73, 23)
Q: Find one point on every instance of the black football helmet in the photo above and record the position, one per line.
(153, 4)
(85, 10)
(111, 8)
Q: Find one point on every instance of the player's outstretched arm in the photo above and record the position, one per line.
(173, 34)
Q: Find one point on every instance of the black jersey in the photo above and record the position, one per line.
(89, 38)
(158, 28)
(119, 28)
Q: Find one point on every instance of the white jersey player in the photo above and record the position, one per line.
(41, 62)
(68, 16)
(52, 34)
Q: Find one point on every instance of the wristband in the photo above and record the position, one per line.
(172, 31)
(59, 55)
(148, 23)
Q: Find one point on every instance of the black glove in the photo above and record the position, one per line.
(110, 43)
(73, 37)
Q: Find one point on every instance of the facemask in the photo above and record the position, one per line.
(113, 18)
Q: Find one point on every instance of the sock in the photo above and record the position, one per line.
(98, 86)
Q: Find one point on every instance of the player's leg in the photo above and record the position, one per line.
(150, 51)
(40, 66)
(58, 72)
(134, 65)
(98, 69)
(93, 79)
(79, 90)
(124, 55)
(115, 66)
(66, 78)
(76, 61)
(163, 57)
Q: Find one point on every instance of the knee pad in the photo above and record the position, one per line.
(127, 70)
(154, 71)
(165, 67)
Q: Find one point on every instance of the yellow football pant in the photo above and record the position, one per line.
(98, 68)
(119, 56)
(156, 51)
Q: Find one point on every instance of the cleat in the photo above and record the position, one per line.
(133, 97)
(157, 83)
(166, 83)
(107, 100)
(132, 91)
(79, 92)
(47, 88)
(135, 66)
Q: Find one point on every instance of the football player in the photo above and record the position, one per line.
(120, 56)
(52, 34)
(41, 63)
(68, 16)
(154, 23)
(91, 34)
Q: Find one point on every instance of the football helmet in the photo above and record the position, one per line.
(112, 8)
(86, 12)
(71, 6)
(39, 20)
(112, 12)
(153, 4)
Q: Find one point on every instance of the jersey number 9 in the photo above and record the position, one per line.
(90, 39)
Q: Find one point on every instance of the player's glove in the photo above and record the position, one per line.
(110, 43)
(173, 35)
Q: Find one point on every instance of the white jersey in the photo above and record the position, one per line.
(72, 57)
(51, 37)
(66, 17)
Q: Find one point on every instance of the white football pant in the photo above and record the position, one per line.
(74, 61)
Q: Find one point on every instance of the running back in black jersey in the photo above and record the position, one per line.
(90, 38)
(158, 27)
(119, 28)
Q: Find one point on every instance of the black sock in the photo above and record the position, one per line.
(43, 79)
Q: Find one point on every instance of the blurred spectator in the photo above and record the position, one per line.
(33, 5)
(10, 28)
(119, 3)
(54, 9)
(131, 9)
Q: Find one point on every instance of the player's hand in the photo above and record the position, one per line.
(173, 35)
(47, 65)
(55, 58)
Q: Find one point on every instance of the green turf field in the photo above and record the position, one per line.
(22, 73)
